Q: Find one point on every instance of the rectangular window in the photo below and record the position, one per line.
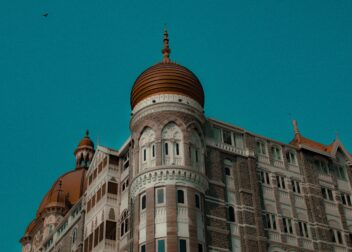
(327, 194)
(110, 230)
(96, 237)
(291, 158)
(160, 196)
(238, 140)
(227, 171)
(269, 221)
(161, 246)
(166, 149)
(103, 190)
(346, 199)
(280, 181)
(177, 148)
(182, 245)
(276, 152)
(226, 136)
(143, 248)
(303, 229)
(90, 246)
(112, 188)
(180, 196)
(153, 150)
(200, 247)
(101, 232)
(264, 177)
(261, 148)
(296, 186)
(144, 154)
(287, 222)
(144, 202)
(99, 195)
(341, 172)
(197, 200)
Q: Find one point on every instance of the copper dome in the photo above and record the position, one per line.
(86, 141)
(66, 190)
(167, 78)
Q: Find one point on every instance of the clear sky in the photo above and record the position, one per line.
(261, 63)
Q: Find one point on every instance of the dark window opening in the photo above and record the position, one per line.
(112, 188)
(144, 202)
(197, 200)
(231, 214)
(180, 196)
(110, 230)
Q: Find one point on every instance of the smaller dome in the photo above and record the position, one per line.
(86, 141)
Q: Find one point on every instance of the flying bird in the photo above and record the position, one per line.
(45, 15)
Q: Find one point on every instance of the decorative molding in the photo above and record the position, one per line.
(167, 98)
(168, 176)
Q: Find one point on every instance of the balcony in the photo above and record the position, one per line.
(263, 159)
(274, 236)
(284, 196)
(292, 240)
(110, 245)
(112, 198)
(293, 168)
(230, 148)
(268, 192)
(307, 243)
(279, 163)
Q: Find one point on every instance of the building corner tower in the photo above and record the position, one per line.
(168, 176)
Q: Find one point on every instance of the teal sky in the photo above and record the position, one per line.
(261, 63)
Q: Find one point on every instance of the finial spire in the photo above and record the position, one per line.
(296, 130)
(87, 133)
(166, 50)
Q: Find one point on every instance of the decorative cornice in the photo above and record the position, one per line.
(166, 175)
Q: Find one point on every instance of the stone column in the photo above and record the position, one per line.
(150, 215)
(171, 218)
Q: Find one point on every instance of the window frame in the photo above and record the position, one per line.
(143, 202)
(157, 244)
(183, 196)
(157, 196)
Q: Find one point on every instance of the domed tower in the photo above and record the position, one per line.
(168, 185)
(84, 152)
(66, 191)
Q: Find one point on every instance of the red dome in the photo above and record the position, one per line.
(66, 189)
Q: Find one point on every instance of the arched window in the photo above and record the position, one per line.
(124, 223)
(196, 150)
(147, 149)
(231, 214)
(172, 147)
(143, 202)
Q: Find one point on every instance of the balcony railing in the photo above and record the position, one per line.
(274, 236)
(307, 243)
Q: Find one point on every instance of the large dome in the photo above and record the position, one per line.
(167, 78)
(71, 186)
